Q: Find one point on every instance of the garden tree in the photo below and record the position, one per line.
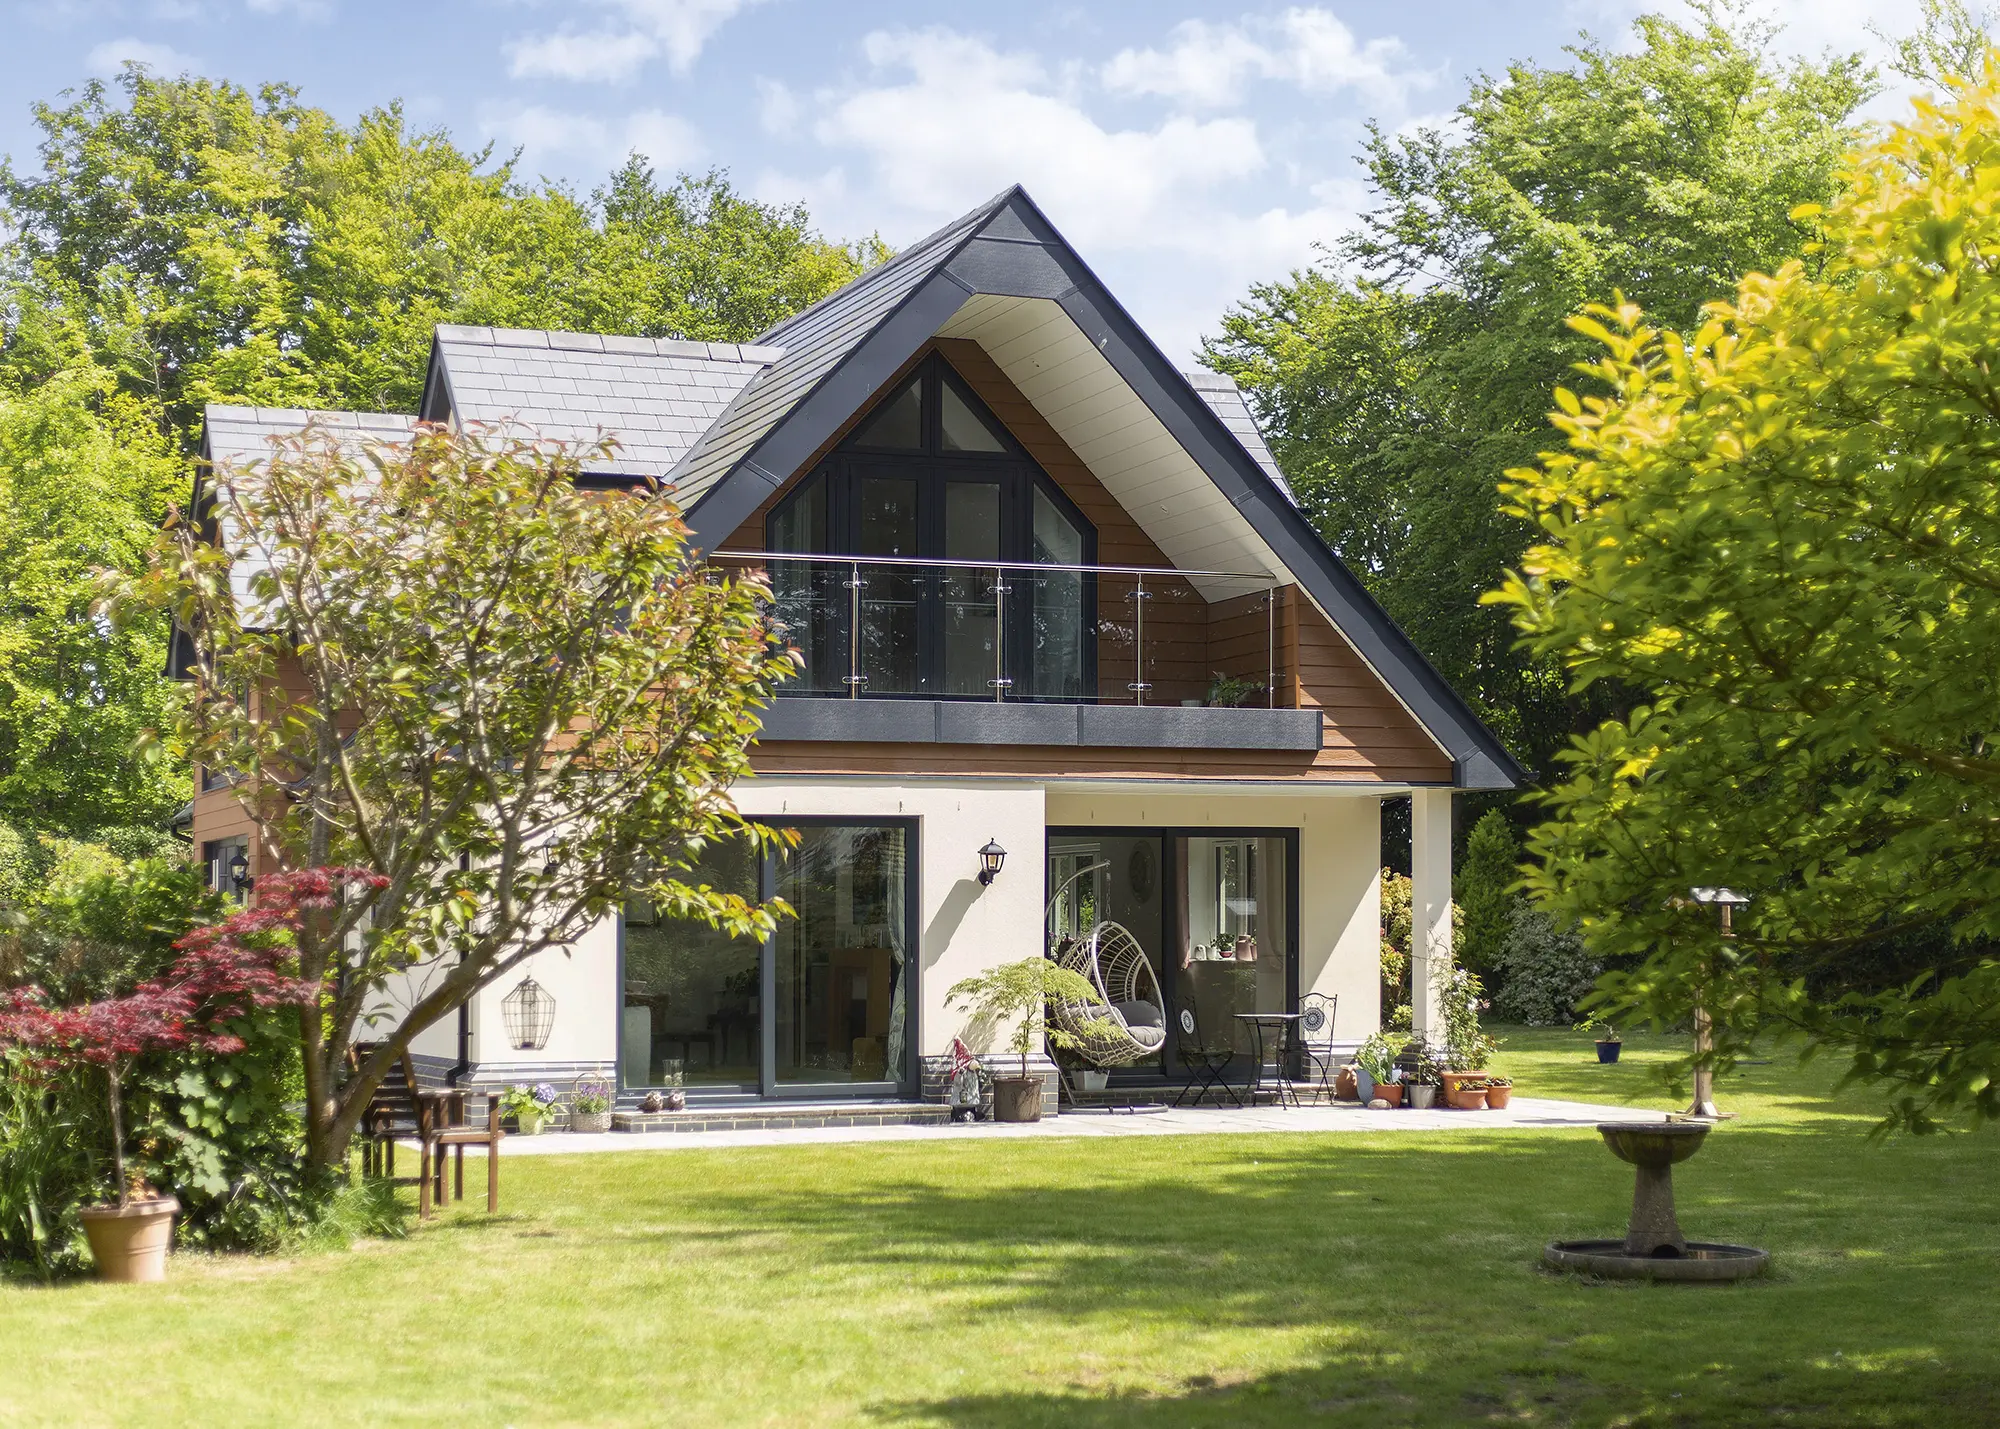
(1399, 380)
(1484, 892)
(1785, 524)
(86, 477)
(513, 701)
(225, 245)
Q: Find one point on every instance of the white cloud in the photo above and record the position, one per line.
(544, 134)
(778, 109)
(302, 9)
(1209, 65)
(947, 119)
(161, 59)
(639, 32)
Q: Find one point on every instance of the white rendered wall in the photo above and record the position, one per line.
(1340, 855)
(585, 986)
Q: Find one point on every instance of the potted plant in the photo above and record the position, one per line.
(1375, 1063)
(1018, 993)
(1469, 1094)
(590, 1105)
(1608, 1041)
(1391, 1091)
(1423, 1075)
(531, 1107)
(1499, 1091)
(222, 973)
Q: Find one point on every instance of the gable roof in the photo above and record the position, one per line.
(658, 396)
(842, 350)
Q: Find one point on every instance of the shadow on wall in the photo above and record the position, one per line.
(951, 913)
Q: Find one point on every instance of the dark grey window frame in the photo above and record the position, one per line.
(1019, 476)
(768, 1088)
(1170, 1072)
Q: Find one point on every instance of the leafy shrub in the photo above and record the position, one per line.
(1460, 1002)
(1544, 969)
(1398, 918)
(1484, 897)
(49, 1127)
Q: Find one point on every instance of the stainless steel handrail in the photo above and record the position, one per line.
(1262, 577)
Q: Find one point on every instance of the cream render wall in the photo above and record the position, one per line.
(584, 984)
(1340, 876)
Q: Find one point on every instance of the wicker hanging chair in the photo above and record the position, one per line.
(1130, 1024)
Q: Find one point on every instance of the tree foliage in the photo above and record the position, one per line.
(514, 701)
(1785, 524)
(1485, 891)
(1401, 378)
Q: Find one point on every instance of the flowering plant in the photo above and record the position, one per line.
(536, 1101)
(590, 1097)
(223, 972)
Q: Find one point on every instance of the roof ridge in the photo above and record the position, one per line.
(897, 259)
(610, 344)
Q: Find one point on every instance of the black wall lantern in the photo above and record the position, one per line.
(528, 1013)
(990, 859)
(239, 871)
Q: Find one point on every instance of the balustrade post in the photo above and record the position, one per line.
(1000, 681)
(854, 631)
(1140, 596)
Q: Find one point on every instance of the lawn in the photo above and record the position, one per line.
(1373, 1280)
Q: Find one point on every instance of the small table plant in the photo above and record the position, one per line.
(590, 1105)
(531, 1107)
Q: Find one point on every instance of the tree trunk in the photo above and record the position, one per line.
(117, 1135)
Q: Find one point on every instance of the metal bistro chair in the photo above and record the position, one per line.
(1198, 1058)
(1315, 1039)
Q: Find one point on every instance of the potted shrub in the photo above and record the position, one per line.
(1019, 993)
(221, 973)
(1423, 1075)
(1375, 1064)
(590, 1106)
(1608, 1041)
(1499, 1091)
(531, 1107)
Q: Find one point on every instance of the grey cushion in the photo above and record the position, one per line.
(1140, 1014)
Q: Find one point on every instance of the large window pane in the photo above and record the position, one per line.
(691, 992)
(961, 429)
(889, 636)
(1057, 620)
(898, 424)
(1129, 889)
(970, 604)
(808, 595)
(841, 960)
(1234, 942)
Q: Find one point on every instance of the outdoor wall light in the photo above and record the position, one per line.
(990, 859)
(528, 1013)
(239, 871)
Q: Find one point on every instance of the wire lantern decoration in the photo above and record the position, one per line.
(528, 1012)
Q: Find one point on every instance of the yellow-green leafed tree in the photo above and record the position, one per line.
(1786, 525)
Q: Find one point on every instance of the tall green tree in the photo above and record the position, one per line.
(183, 241)
(1400, 379)
(231, 244)
(1785, 524)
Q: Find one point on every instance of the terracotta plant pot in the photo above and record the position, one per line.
(1017, 1098)
(1421, 1096)
(1345, 1088)
(1498, 1097)
(1453, 1079)
(1390, 1092)
(1469, 1098)
(129, 1243)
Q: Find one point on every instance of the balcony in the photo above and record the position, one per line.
(912, 650)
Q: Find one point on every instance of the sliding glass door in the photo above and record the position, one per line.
(822, 1007)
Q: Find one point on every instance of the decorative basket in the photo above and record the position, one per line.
(590, 1121)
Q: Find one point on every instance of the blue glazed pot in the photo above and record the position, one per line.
(1608, 1051)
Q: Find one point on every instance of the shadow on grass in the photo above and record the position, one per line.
(1412, 1272)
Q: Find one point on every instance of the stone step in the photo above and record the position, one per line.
(779, 1118)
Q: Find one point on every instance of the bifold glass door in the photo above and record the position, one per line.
(822, 1007)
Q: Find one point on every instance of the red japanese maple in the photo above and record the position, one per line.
(223, 972)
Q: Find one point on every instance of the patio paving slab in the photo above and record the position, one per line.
(1523, 1114)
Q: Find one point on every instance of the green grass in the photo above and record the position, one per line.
(1374, 1280)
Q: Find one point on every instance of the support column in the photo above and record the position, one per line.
(1430, 905)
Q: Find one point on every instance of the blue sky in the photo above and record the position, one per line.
(1187, 149)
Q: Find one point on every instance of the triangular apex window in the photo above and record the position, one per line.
(932, 413)
(898, 424)
(961, 428)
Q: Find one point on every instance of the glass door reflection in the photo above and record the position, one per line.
(691, 992)
(840, 963)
